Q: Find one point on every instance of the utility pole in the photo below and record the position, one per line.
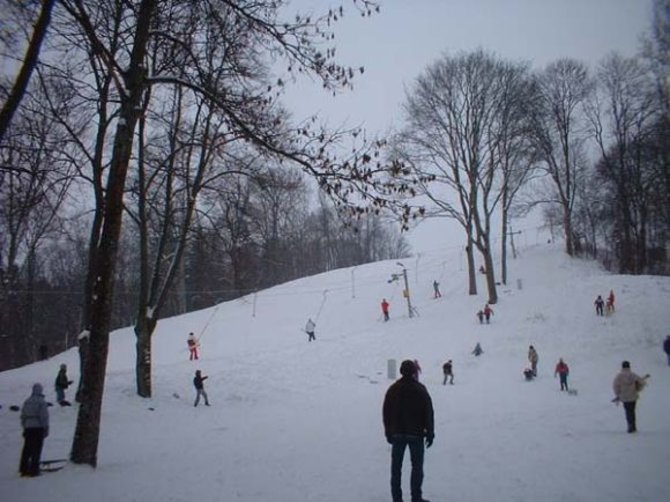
(512, 234)
(406, 292)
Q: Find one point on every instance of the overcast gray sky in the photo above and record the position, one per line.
(395, 45)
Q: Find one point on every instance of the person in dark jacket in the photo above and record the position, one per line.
(448, 370)
(408, 419)
(666, 347)
(35, 423)
(200, 388)
(61, 384)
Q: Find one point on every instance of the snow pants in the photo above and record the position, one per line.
(200, 392)
(629, 408)
(563, 377)
(32, 451)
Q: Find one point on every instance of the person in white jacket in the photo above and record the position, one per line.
(309, 329)
(35, 422)
(627, 386)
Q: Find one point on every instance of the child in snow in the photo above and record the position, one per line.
(309, 329)
(385, 309)
(478, 350)
(528, 373)
(192, 343)
(599, 303)
(488, 312)
(447, 369)
(62, 382)
(200, 388)
(436, 290)
(562, 371)
(480, 316)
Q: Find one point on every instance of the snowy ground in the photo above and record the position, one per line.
(296, 421)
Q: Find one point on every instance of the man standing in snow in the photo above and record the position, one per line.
(35, 422)
(61, 384)
(599, 303)
(198, 383)
(309, 329)
(447, 369)
(562, 371)
(385, 309)
(627, 386)
(408, 419)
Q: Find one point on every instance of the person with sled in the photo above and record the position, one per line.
(666, 348)
(528, 373)
(599, 303)
(480, 316)
(61, 384)
(193, 344)
(385, 309)
(478, 350)
(436, 290)
(627, 386)
(610, 302)
(35, 423)
(309, 329)
(488, 312)
(408, 419)
(447, 369)
(198, 383)
(562, 371)
(533, 358)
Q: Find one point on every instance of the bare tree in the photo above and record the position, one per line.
(560, 132)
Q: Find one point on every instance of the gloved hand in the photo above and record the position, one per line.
(429, 440)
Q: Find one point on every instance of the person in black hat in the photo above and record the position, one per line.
(408, 419)
(627, 386)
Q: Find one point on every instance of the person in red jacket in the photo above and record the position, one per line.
(562, 371)
(385, 309)
(488, 312)
(610, 302)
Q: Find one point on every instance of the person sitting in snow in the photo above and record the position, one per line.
(528, 373)
(200, 388)
(309, 329)
(478, 350)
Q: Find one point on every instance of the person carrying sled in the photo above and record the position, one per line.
(193, 344)
(666, 348)
(610, 302)
(198, 383)
(61, 384)
(309, 329)
(448, 370)
(436, 290)
(35, 423)
(408, 419)
(478, 350)
(599, 303)
(488, 312)
(562, 371)
(627, 386)
(533, 358)
(385, 309)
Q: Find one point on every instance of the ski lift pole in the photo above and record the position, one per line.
(202, 332)
(406, 292)
(323, 301)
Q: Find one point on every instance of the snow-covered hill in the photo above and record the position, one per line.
(297, 421)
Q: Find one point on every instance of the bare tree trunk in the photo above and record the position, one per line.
(29, 63)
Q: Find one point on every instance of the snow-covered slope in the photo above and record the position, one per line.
(298, 421)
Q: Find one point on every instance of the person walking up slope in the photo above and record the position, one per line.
(533, 358)
(408, 419)
(309, 329)
(599, 303)
(627, 386)
(198, 383)
(35, 423)
(562, 371)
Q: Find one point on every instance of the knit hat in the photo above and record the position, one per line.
(625, 364)
(408, 368)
